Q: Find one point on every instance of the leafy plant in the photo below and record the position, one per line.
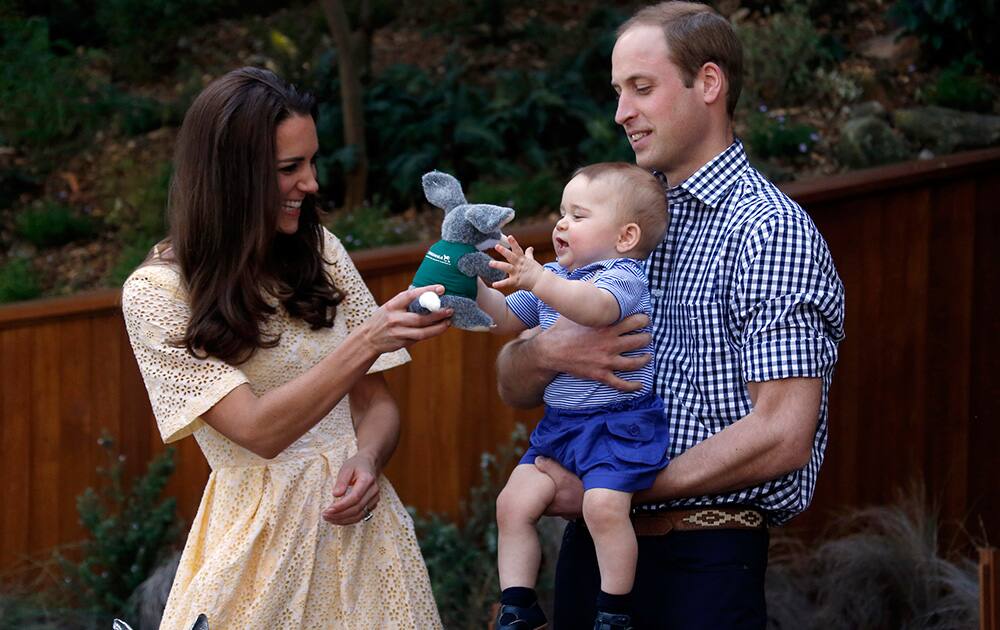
(962, 86)
(53, 224)
(46, 104)
(461, 557)
(494, 128)
(527, 193)
(18, 281)
(130, 528)
(781, 55)
(370, 226)
(129, 259)
(951, 29)
(777, 137)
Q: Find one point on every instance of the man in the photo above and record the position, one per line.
(747, 315)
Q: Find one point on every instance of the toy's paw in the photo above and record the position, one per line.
(430, 301)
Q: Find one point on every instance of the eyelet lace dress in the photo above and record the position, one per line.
(259, 555)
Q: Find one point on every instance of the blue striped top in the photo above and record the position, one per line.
(625, 279)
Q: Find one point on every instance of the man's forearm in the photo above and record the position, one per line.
(771, 441)
(521, 379)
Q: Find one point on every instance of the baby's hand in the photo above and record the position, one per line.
(522, 270)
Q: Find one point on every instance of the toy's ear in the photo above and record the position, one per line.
(443, 190)
(487, 218)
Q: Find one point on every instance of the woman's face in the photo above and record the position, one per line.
(296, 146)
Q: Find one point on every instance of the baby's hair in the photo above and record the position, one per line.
(641, 199)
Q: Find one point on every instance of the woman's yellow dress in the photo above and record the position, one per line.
(259, 555)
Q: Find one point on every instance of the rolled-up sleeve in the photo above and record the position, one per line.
(788, 302)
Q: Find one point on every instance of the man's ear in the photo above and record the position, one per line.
(628, 238)
(713, 83)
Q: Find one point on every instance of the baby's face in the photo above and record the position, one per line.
(589, 228)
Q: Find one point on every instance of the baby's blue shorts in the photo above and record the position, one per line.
(619, 447)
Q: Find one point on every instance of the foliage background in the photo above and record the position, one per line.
(509, 95)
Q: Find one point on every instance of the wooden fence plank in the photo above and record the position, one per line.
(15, 435)
(989, 589)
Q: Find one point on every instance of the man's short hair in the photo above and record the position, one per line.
(696, 35)
(641, 199)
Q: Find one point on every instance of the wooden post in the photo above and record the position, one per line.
(989, 589)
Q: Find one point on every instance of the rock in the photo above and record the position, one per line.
(870, 141)
(945, 130)
(867, 108)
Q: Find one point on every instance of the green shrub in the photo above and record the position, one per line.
(129, 259)
(528, 194)
(777, 137)
(130, 529)
(781, 56)
(370, 226)
(47, 106)
(140, 210)
(53, 224)
(18, 281)
(960, 86)
(493, 126)
(144, 34)
(951, 29)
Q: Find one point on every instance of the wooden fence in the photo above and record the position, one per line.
(913, 397)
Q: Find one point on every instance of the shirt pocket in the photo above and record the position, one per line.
(713, 362)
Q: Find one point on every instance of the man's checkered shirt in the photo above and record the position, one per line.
(744, 290)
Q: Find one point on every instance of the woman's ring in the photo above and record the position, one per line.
(368, 514)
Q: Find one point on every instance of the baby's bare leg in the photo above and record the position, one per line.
(520, 504)
(606, 513)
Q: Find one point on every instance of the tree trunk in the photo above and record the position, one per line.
(351, 101)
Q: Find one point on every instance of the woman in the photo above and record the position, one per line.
(255, 333)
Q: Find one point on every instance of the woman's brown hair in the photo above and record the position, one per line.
(223, 210)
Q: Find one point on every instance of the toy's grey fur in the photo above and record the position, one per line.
(475, 224)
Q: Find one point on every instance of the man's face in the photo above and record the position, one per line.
(663, 119)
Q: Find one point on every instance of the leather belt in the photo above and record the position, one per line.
(721, 517)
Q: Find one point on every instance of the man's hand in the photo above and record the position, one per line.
(528, 364)
(522, 270)
(568, 500)
(596, 353)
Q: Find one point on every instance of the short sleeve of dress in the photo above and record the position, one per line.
(359, 303)
(181, 387)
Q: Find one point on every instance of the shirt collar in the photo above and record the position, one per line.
(710, 183)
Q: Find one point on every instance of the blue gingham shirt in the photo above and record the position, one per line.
(625, 279)
(744, 290)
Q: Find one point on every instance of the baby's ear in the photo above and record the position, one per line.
(628, 237)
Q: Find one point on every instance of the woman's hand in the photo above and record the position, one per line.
(356, 491)
(392, 327)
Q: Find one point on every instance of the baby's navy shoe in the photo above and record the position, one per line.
(512, 617)
(609, 621)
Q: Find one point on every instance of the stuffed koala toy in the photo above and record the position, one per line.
(458, 258)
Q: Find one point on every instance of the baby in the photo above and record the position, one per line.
(613, 216)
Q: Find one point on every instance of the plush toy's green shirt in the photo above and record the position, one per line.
(440, 266)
